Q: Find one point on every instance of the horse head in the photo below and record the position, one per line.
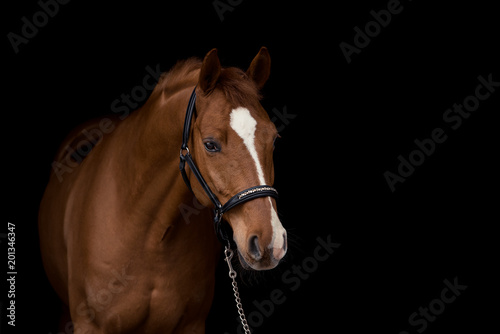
(232, 144)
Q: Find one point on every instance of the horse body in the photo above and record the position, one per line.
(115, 244)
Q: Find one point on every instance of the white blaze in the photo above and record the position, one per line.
(242, 122)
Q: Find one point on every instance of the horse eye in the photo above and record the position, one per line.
(211, 146)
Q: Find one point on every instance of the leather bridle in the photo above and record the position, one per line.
(219, 209)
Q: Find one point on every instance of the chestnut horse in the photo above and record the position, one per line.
(124, 242)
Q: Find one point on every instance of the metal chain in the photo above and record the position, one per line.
(229, 255)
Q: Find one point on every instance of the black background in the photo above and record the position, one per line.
(351, 123)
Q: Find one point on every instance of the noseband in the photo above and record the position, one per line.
(219, 209)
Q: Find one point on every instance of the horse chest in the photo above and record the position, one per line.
(158, 305)
(180, 302)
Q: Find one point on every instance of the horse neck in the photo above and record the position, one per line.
(156, 196)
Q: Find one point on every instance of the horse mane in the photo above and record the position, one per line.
(238, 88)
(183, 74)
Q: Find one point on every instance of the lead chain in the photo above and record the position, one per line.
(229, 255)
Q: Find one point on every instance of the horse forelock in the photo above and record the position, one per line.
(238, 89)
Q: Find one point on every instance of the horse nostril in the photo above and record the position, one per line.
(253, 248)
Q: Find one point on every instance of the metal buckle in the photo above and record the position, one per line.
(184, 149)
(218, 215)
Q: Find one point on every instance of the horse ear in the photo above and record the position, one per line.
(210, 71)
(260, 68)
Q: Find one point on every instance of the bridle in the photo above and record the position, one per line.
(219, 209)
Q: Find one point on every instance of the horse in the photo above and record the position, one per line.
(125, 244)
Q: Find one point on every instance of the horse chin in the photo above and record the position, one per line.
(244, 263)
(257, 266)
